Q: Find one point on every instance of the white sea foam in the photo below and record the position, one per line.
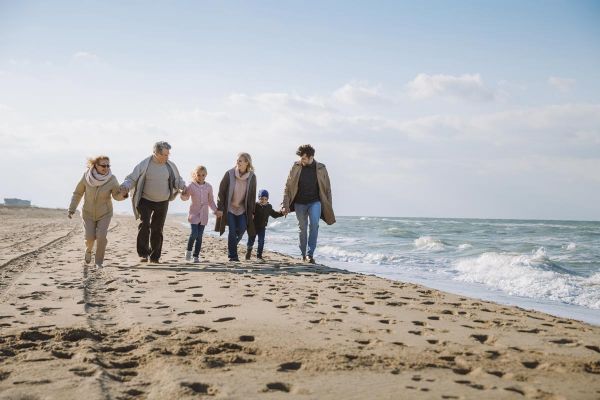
(571, 246)
(529, 276)
(339, 254)
(465, 246)
(428, 243)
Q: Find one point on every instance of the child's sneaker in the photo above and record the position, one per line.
(88, 256)
(196, 260)
(248, 253)
(188, 255)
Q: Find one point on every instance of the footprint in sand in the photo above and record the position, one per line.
(278, 386)
(199, 388)
(290, 366)
(530, 364)
(593, 348)
(483, 339)
(224, 319)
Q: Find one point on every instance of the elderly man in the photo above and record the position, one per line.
(155, 181)
(308, 192)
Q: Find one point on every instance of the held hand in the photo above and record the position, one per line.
(124, 191)
(284, 211)
(219, 213)
(70, 215)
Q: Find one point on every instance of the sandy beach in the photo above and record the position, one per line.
(273, 329)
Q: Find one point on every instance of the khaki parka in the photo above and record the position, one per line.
(97, 202)
(291, 190)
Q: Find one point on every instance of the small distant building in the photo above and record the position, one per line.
(17, 203)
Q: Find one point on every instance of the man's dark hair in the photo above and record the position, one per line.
(305, 149)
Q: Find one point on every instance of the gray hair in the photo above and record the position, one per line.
(160, 146)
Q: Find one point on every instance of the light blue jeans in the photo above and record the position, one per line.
(308, 214)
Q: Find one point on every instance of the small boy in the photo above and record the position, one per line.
(261, 218)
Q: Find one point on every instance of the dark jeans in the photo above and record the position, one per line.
(237, 227)
(260, 232)
(196, 236)
(152, 215)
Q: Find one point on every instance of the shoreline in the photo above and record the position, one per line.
(475, 291)
(272, 329)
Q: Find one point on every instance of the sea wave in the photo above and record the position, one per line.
(530, 275)
(429, 243)
(340, 254)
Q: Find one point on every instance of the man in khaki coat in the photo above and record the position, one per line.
(308, 193)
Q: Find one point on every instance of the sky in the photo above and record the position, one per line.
(428, 109)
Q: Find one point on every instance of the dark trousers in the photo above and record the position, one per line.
(196, 236)
(237, 227)
(260, 232)
(152, 215)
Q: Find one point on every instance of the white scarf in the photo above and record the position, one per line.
(95, 179)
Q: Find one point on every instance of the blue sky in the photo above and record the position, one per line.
(445, 109)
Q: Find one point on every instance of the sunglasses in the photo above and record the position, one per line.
(103, 165)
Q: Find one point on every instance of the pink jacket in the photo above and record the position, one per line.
(202, 198)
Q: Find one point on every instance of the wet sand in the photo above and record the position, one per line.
(274, 329)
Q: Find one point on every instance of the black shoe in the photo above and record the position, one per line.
(153, 261)
(234, 259)
(303, 258)
(260, 257)
(311, 260)
(248, 253)
(143, 259)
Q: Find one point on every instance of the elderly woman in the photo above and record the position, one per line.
(97, 186)
(235, 203)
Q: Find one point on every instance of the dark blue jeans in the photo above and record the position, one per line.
(260, 232)
(196, 236)
(237, 227)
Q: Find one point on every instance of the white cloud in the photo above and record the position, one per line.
(359, 93)
(279, 101)
(561, 84)
(85, 56)
(464, 87)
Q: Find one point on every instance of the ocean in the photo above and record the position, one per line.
(550, 266)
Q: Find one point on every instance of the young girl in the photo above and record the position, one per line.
(201, 193)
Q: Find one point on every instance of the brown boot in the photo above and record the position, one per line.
(248, 253)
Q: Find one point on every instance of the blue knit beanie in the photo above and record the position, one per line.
(263, 193)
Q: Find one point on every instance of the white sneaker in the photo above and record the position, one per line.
(88, 257)
(188, 255)
(196, 260)
(99, 265)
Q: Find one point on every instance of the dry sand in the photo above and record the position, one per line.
(278, 329)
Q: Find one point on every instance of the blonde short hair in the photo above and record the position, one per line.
(248, 158)
(197, 170)
(92, 161)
